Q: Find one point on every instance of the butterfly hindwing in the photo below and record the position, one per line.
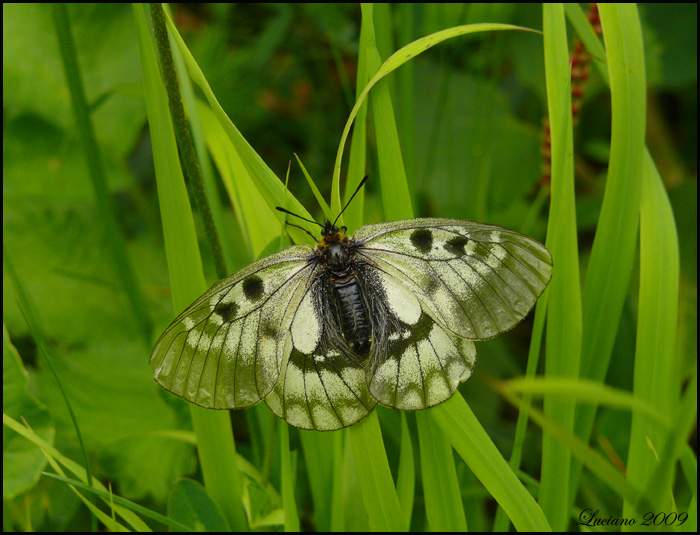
(474, 279)
(322, 391)
(422, 366)
(322, 384)
(225, 351)
(414, 363)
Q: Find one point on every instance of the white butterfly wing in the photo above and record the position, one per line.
(225, 351)
(476, 280)
(272, 330)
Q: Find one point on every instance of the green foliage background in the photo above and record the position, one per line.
(470, 116)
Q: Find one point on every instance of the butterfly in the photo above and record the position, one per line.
(324, 333)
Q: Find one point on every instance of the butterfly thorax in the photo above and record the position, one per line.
(338, 260)
(334, 247)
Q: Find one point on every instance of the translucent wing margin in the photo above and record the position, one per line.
(225, 351)
(476, 280)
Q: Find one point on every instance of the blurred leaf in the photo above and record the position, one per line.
(22, 461)
(190, 505)
(481, 129)
(674, 60)
(121, 411)
(33, 78)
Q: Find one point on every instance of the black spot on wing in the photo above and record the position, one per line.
(253, 287)
(430, 284)
(422, 239)
(227, 311)
(268, 329)
(456, 246)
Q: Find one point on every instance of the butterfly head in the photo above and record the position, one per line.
(331, 234)
(329, 229)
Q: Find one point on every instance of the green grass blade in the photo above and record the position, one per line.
(213, 428)
(397, 203)
(291, 517)
(339, 481)
(378, 491)
(656, 377)
(192, 105)
(501, 523)
(443, 500)
(107, 496)
(184, 262)
(354, 215)
(183, 134)
(406, 94)
(577, 18)
(400, 57)
(257, 221)
(658, 489)
(270, 187)
(599, 465)
(406, 478)
(458, 423)
(587, 391)
(109, 521)
(329, 215)
(612, 256)
(320, 457)
(563, 339)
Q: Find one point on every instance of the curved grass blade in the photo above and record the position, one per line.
(563, 336)
(400, 57)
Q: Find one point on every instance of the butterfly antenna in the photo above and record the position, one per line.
(302, 228)
(279, 208)
(362, 183)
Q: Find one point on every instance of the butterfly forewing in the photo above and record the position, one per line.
(227, 348)
(477, 280)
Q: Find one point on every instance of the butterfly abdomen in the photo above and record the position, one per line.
(353, 314)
